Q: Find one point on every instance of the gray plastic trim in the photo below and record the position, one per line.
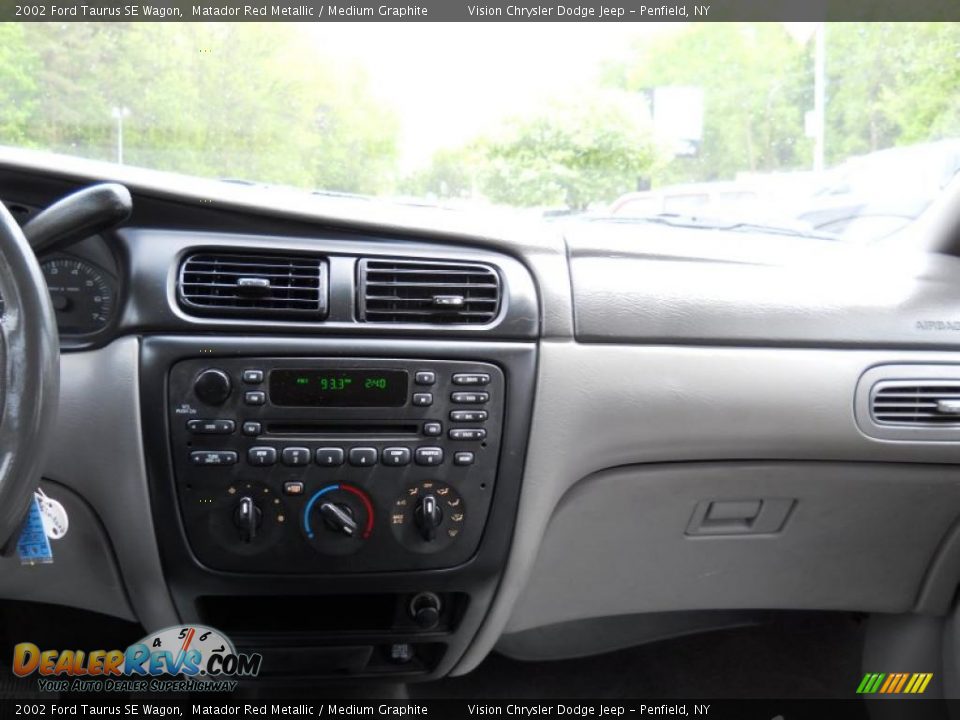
(604, 406)
(657, 284)
(860, 538)
(96, 450)
(582, 638)
(84, 571)
(876, 376)
(157, 255)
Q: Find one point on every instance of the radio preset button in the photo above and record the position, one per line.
(252, 427)
(213, 457)
(463, 458)
(429, 456)
(422, 399)
(471, 379)
(363, 456)
(295, 456)
(253, 377)
(470, 398)
(255, 397)
(211, 427)
(395, 456)
(293, 488)
(467, 434)
(425, 377)
(432, 429)
(262, 456)
(329, 456)
(468, 415)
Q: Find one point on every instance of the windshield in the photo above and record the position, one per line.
(842, 129)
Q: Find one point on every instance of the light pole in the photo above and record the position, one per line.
(819, 96)
(118, 114)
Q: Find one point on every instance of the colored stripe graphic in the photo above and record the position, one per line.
(894, 683)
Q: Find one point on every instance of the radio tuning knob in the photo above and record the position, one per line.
(212, 386)
(428, 516)
(247, 517)
(339, 517)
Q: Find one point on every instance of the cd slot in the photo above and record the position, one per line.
(341, 428)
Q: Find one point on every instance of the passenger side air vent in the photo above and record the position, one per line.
(427, 292)
(254, 285)
(916, 402)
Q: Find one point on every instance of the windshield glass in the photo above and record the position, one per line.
(842, 129)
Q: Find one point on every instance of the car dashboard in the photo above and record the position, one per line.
(371, 441)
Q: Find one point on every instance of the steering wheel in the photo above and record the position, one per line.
(30, 380)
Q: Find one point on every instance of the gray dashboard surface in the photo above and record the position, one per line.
(642, 283)
(607, 406)
(96, 450)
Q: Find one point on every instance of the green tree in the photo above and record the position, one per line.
(891, 84)
(244, 100)
(757, 84)
(19, 64)
(573, 153)
(452, 173)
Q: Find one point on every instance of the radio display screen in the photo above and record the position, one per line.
(338, 387)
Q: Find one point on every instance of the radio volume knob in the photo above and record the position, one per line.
(212, 386)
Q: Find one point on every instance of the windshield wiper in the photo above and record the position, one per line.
(701, 222)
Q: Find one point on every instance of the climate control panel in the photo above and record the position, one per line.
(334, 465)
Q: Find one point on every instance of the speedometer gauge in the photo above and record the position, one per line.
(83, 295)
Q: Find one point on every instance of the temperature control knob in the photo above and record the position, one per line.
(339, 517)
(247, 517)
(428, 516)
(212, 386)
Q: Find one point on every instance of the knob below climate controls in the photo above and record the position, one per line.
(425, 610)
(212, 386)
(247, 517)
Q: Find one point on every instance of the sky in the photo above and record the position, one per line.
(449, 82)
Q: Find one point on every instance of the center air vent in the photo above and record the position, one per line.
(254, 285)
(427, 292)
(916, 402)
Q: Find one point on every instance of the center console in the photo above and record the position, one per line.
(343, 506)
(324, 464)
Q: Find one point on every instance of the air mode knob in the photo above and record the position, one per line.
(212, 386)
(428, 516)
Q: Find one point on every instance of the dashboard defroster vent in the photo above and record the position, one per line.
(427, 292)
(916, 402)
(254, 285)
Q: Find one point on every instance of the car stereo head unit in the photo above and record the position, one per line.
(338, 387)
(331, 465)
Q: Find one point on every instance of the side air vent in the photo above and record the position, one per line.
(916, 402)
(431, 293)
(254, 285)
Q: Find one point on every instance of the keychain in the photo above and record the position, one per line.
(53, 514)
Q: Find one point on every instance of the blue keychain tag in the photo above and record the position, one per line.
(33, 545)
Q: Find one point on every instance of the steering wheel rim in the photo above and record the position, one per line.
(30, 362)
